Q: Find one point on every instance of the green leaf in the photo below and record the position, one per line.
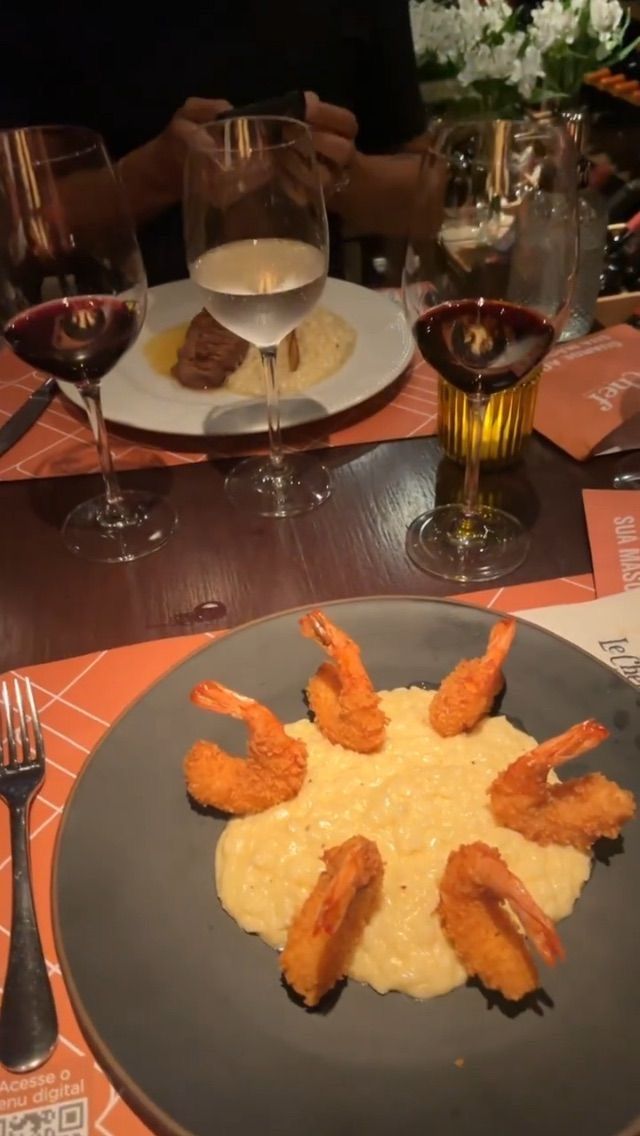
(625, 51)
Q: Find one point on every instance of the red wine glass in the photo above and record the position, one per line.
(627, 473)
(487, 283)
(72, 301)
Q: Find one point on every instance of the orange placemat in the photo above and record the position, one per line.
(60, 443)
(78, 700)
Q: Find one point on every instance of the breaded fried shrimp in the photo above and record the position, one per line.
(575, 812)
(473, 889)
(273, 771)
(330, 923)
(466, 695)
(341, 694)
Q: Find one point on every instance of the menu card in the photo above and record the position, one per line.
(589, 394)
(608, 628)
(613, 523)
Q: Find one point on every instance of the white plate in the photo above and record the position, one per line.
(136, 395)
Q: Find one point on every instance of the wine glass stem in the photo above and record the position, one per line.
(93, 406)
(477, 411)
(268, 357)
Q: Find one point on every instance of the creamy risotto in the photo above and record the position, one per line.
(419, 798)
(325, 340)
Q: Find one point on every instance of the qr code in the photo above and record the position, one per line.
(54, 1120)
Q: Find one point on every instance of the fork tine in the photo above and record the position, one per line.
(8, 717)
(22, 722)
(35, 722)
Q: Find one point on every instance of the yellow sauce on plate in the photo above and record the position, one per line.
(161, 351)
(419, 798)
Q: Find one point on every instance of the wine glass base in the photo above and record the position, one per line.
(627, 475)
(446, 543)
(142, 526)
(301, 484)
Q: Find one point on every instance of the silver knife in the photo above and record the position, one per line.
(28, 413)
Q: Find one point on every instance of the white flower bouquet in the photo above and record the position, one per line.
(506, 58)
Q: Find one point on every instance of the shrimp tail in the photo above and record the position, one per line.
(537, 926)
(315, 626)
(218, 698)
(572, 743)
(500, 641)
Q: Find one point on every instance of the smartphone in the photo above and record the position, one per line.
(290, 105)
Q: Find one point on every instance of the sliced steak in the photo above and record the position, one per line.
(209, 353)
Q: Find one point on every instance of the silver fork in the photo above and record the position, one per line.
(28, 1021)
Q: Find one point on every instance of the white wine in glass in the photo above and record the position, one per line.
(257, 246)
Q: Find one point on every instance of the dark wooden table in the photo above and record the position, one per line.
(222, 568)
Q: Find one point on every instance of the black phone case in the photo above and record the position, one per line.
(290, 105)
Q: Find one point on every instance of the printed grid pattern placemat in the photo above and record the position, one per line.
(60, 443)
(78, 699)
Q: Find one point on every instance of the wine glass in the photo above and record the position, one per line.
(627, 473)
(257, 246)
(72, 301)
(487, 282)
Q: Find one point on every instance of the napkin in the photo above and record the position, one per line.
(613, 524)
(589, 394)
(608, 628)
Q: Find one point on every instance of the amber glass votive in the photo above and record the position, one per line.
(507, 425)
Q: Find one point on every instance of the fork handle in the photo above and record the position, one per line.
(28, 1021)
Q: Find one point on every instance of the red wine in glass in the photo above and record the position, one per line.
(487, 283)
(72, 301)
(483, 347)
(79, 338)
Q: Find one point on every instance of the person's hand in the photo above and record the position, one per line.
(173, 142)
(333, 130)
(152, 174)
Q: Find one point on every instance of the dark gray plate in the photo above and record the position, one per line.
(188, 1012)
